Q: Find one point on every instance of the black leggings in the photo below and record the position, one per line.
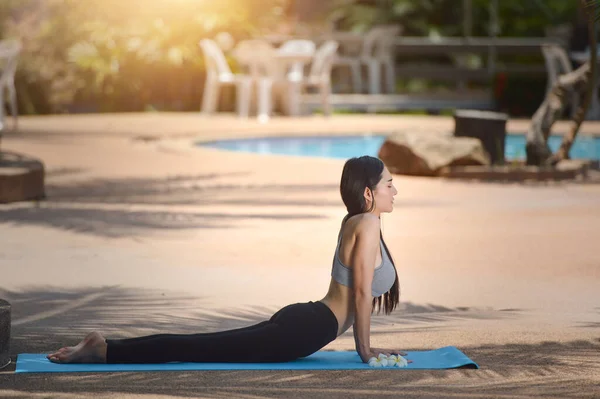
(295, 331)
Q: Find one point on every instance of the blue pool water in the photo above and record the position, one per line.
(343, 147)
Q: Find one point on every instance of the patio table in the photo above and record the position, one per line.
(275, 67)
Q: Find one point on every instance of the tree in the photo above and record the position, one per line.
(581, 80)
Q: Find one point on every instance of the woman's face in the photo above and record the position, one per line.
(384, 193)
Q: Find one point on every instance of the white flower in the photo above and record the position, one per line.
(397, 360)
(380, 361)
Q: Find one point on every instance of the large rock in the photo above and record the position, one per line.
(421, 154)
(21, 178)
(4, 332)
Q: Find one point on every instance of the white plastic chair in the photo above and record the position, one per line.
(9, 54)
(319, 76)
(258, 55)
(218, 73)
(558, 63)
(297, 46)
(383, 57)
(377, 51)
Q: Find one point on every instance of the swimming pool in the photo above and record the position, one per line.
(344, 147)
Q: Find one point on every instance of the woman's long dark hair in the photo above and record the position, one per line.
(357, 174)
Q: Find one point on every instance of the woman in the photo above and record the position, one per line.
(363, 278)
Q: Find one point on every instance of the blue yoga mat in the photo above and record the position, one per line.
(443, 358)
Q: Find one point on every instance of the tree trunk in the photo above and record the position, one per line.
(582, 81)
(538, 152)
(567, 142)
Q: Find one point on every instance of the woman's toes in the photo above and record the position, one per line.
(54, 354)
(60, 355)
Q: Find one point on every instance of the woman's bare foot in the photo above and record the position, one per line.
(91, 350)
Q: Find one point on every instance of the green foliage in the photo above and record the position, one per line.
(113, 55)
(592, 7)
(445, 17)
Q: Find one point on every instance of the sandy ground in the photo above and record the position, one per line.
(143, 233)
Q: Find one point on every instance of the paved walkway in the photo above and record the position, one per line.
(143, 233)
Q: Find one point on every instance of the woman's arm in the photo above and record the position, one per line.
(364, 255)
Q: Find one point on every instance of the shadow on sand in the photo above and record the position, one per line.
(112, 207)
(204, 189)
(126, 223)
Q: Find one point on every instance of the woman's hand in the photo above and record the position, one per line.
(365, 356)
(387, 352)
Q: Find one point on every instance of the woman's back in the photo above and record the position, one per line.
(340, 297)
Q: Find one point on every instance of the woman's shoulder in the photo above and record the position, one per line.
(364, 223)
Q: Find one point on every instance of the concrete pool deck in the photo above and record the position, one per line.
(139, 235)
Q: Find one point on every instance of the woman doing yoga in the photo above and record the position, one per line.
(363, 278)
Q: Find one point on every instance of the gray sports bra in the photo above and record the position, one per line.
(383, 276)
